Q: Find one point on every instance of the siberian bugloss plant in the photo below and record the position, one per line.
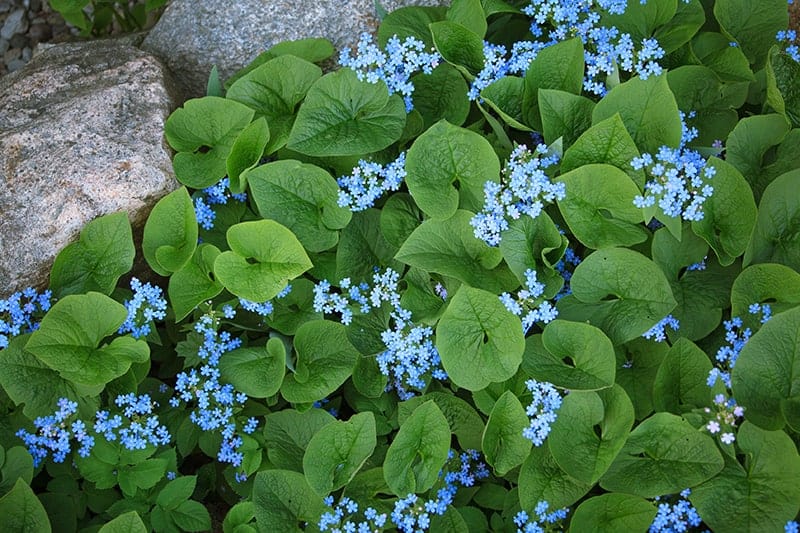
(515, 266)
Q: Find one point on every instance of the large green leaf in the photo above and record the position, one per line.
(257, 371)
(564, 115)
(535, 243)
(598, 207)
(752, 25)
(203, 132)
(22, 512)
(729, 215)
(558, 67)
(411, 21)
(503, 444)
(761, 496)
(362, 247)
(325, 359)
(458, 45)
(620, 291)
(648, 110)
(170, 233)
(663, 455)
(681, 381)
(641, 19)
(766, 378)
(541, 479)
(766, 282)
(448, 166)
(777, 228)
(246, 153)
(418, 451)
(129, 522)
(606, 142)
(571, 355)
(589, 432)
(449, 247)
(264, 256)
(442, 94)
(274, 90)
(195, 282)
(748, 143)
(69, 336)
(464, 421)
(27, 380)
(468, 13)
(282, 500)
(288, 432)
(103, 253)
(783, 77)
(478, 339)
(344, 116)
(337, 451)
(613, 512)
(303, 198)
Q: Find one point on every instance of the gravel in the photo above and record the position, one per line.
(23, 25)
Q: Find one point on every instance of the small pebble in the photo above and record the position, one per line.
(11, 55)
(16, 64)
(15, 23)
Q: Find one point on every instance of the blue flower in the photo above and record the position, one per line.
(147, 305)
(659, 331)
(789, 37)
(541, 520)
(678, 516)
(17, 313)
(394, 66)
(527, 301)
(369, 181)
(216, 403)
(524, 189)
(217, 194)
(542, 411)
(54, 434)
(263, 308)
(137, 427)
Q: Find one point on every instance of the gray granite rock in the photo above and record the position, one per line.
(81, 135)
(194, 35)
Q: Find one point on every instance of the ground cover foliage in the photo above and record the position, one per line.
(514, 266)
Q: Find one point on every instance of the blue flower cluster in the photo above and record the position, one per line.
(263, 308)
(678, 516)
(412, 514)
(369, 181)
(700, 265)
(410, 355)
(216, 403)
(339, 518)
(17, 312)
(659, 332)
(791, 526)
(496, 66)
(526, 300)
(736, 335)
(215, 195)
(680, 178)
(524, 188)
(541, 520)
(394, 66)
(606, 49)
(725, 418)
(139, 428)
(789, 37)
(55, 435)
(542, 411)
(148, 304)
